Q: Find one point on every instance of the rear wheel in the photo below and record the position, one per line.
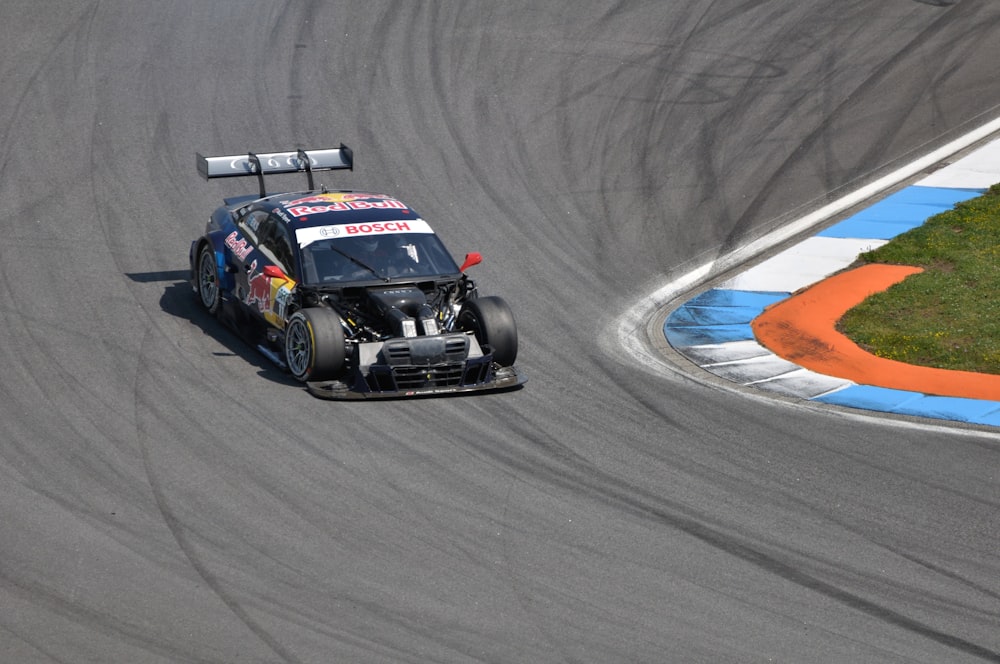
(208, 280)
(314, 345)
(491, 320)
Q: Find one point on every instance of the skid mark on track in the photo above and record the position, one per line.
(179, 532)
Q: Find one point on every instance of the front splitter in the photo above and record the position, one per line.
(506, 378)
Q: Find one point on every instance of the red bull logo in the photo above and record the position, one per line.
(238, 245)
(322, 203)
(335, 197)
(259, 293)
(306, 210)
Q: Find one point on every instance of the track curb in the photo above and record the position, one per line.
(715, 329)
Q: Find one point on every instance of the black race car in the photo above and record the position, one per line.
(351, 292)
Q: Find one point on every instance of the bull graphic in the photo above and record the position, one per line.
(259, 292)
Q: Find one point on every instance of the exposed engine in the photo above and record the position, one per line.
(406, 309)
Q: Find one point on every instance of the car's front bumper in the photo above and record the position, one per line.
(358, 387)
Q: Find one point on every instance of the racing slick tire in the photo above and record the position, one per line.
(491, 320)
(314, 345)
(207, 274)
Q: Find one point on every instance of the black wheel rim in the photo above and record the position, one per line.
(208, 286)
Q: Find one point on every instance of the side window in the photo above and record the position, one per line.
(275, 242)
(250, 223)
(283, 248)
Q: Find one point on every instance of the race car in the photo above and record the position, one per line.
(351, 292)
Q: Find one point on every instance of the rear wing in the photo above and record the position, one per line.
(276, 162)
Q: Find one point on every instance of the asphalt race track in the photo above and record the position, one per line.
(167, 495)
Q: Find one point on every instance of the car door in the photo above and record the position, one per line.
(271, 275)
(244, 256)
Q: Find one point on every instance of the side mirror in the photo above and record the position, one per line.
(274, 272)
(473, 258)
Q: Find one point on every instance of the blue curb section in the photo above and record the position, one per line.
(717, 316)
(900, 402)
(713, 329)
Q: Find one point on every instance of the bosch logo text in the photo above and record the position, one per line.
(377, 227)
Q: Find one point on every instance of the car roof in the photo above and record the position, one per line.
(329, 208)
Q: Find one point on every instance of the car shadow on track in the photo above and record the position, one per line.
(179, 301)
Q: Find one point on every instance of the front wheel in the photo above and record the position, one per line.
(491, 320)
(314, 345)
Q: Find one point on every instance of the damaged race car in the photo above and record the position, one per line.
(351, 292)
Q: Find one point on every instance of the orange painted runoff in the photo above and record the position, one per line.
(802, 329)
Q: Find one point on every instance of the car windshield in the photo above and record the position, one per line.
(398, 255)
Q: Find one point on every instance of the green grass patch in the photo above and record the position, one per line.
(949, 315)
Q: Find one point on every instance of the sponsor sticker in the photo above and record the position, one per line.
(338, 197)
(341, 202)
(307, 236)
(306, 210)
(238, 245)
(259, 293)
